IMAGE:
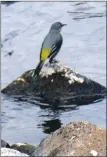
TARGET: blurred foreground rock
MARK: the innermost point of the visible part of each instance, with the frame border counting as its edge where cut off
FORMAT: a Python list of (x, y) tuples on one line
[(5, 144), (57, 84), (74, 139), (24, 148), (18, 149), (11, 152)]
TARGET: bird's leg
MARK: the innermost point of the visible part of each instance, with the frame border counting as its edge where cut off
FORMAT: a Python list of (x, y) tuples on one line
[(52, 60)]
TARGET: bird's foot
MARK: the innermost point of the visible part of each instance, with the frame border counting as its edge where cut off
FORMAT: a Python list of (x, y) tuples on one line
[(54, 61)]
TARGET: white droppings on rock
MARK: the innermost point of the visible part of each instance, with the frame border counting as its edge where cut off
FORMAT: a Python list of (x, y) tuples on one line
[(75, 77), (49, 69), (32, 74), (52, 80), (65, 70), (80, 80), (70, 81), (66, 75), (71, 75), (63, 75), (93, 153), (47, 72)]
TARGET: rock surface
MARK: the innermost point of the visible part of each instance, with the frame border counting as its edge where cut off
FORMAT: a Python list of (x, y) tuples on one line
[(74, 139), (5, 144), (21, 147), (24, 148), (57, 84), (11, 152)]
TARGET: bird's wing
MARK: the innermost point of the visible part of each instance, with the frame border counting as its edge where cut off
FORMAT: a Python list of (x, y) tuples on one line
[(46, 51), (56, 47)]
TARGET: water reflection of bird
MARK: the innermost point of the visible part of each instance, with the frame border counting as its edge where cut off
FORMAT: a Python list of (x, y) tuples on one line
[(50, 46), (52, 116), (51, 125)]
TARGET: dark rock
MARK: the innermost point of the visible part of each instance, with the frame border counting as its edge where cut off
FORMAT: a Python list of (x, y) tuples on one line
[(74, 139), (24, 148), (5, 144), (56, 85)]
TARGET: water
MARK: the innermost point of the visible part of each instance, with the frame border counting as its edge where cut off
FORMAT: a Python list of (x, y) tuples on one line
[(24, 25)]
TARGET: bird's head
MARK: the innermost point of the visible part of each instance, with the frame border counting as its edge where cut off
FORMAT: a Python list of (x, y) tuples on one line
[(57, 26)]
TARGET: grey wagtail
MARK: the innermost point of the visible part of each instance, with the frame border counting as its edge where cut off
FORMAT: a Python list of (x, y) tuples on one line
[(50, 46)]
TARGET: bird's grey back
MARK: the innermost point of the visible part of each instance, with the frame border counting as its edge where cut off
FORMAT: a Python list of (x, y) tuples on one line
[(52, 38)]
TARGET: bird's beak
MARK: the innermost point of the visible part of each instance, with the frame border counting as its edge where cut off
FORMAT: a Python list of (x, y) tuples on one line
[(64, 25)]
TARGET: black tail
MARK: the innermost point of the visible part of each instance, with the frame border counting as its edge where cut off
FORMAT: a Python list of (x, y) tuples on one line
[(38, 69)]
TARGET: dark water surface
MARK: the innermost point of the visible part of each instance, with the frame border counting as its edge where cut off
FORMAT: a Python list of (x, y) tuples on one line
[(24, 25)]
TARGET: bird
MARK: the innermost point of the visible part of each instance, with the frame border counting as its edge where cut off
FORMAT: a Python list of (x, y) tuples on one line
[(50, 46)]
